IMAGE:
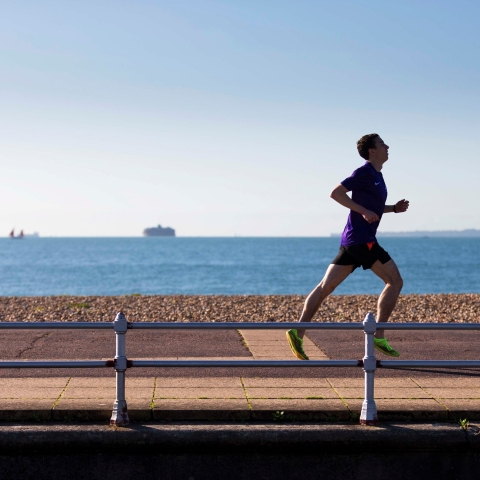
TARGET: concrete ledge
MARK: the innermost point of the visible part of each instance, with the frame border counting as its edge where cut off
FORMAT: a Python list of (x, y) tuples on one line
[(214, 410), (225, 437), (212, 451), (184, 410)]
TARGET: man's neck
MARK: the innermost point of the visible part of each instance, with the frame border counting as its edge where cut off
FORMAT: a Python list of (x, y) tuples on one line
[(376, 164)]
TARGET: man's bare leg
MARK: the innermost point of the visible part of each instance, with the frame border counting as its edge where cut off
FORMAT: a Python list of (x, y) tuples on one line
[(334, 276), (389, 273)]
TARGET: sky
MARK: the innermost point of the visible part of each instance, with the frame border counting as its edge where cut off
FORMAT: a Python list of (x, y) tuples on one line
[(223, 118)]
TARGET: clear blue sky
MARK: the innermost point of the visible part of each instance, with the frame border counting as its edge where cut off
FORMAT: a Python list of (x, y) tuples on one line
[(234, 117)]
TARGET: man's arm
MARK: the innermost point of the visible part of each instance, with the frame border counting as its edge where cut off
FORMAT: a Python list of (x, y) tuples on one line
[(339, 194), (400, 207)]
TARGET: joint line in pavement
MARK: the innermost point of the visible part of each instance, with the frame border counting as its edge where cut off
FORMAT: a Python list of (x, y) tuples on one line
[(339, 396), (152, 403), (246, 394), (428, 393), (55, 403)]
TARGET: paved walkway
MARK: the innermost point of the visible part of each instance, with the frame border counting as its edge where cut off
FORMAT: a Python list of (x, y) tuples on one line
[(238, 398), (272, 345)]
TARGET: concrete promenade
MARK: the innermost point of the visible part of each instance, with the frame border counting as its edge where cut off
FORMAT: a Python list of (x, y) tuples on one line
[(323, 399)]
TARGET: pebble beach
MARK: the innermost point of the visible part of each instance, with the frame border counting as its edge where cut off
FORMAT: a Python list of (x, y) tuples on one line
[(459, 308)]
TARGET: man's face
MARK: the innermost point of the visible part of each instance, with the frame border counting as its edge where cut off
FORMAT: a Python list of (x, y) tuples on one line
[(380, 152)]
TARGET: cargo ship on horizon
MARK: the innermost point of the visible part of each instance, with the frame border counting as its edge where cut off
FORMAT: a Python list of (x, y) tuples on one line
[(159, 232)]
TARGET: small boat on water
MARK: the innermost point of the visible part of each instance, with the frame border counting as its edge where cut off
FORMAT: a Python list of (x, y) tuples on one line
[(12, 234)]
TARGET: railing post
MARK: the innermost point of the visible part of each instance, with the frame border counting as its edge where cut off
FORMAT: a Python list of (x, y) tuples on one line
[(368, 415), (120, 413)]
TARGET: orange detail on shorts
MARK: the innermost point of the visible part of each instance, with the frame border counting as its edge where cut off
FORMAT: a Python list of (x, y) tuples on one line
[(370, 245)]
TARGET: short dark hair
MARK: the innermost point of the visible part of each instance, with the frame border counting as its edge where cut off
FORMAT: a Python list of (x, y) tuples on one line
[(365, 143)]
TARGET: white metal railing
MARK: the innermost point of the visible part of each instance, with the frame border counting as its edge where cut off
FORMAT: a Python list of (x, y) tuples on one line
[(120, 363)]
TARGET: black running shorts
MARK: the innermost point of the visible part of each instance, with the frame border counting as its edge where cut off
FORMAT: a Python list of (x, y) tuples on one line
[(361, 255)]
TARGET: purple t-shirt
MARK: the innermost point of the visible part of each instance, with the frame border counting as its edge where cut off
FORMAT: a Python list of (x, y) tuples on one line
[(368, 190)]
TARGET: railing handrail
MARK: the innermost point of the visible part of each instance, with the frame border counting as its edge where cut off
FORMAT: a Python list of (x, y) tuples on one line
[(430, 326), (245, 363), (232, 326), (56, 363), (243, 326), (303, 326), (56, 325), (428, 363)]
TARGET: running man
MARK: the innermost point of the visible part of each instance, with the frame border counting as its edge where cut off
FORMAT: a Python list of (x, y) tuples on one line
[(359, 245)]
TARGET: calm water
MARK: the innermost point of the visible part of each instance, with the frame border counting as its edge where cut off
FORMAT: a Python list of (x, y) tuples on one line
[(117, 266)]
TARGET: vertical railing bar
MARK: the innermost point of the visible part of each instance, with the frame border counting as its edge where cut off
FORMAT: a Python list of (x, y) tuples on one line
[(368, 415), (120, 412)]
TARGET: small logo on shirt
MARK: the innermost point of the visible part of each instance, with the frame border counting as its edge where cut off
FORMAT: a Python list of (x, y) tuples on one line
[(377, 183)]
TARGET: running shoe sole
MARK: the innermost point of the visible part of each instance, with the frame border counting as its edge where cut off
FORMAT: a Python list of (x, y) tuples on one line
[(394, 353)]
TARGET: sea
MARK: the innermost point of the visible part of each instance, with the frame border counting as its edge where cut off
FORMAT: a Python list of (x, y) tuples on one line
[(223, 266)]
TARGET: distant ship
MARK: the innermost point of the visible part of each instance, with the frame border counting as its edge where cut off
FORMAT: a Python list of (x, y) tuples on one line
[(12, 234), (159, 232), (23, 235)]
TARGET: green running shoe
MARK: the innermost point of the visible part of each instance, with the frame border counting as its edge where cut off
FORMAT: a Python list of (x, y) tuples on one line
[(296, 344), (382, 345)]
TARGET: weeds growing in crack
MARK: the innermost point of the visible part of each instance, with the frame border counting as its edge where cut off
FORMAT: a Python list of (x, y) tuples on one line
[(463, 424)]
